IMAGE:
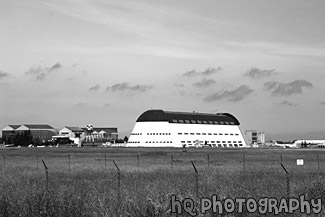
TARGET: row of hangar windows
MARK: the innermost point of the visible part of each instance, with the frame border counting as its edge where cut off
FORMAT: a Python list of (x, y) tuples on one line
[(151, 142), (213, 143), (139, 134), (159, 134), (225, 145), (203, 122), (215, 134)]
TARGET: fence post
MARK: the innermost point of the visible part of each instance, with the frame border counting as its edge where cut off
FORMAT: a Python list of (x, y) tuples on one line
[(171, 161), (105, 160), (138, 156), (118, 182), (46, 176), (288, 180), (196, 180), (244, 162), (281, 158)]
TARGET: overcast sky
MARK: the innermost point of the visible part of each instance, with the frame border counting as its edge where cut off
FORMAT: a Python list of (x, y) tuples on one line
[(105, 62)]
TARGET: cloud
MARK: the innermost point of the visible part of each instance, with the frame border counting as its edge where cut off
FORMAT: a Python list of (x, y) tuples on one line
[(287, 103), (190, 73), (258, 73), (56, 66), (286, 89), (208, 71), (127, 87), (94, 88), (40, 73), (107, 105), (204, 83), (270, 85), (4, 75), (234, 95), (81, 105), (322, 103)]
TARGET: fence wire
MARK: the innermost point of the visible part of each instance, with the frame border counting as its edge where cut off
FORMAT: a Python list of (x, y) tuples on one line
[(76, 184)]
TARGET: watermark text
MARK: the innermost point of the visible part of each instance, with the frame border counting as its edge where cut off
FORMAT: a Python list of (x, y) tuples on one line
[(239, 205)]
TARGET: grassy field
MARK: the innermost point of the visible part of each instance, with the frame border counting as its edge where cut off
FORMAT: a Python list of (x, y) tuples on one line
[(85, 181)]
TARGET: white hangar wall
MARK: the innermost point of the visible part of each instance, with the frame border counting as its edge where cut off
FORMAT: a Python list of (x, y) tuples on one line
[(162, 129)]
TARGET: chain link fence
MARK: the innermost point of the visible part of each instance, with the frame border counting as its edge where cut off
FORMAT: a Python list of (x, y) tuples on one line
[(141, 184)]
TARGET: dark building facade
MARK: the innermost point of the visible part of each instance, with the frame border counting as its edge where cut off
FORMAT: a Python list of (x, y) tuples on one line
[(8, 133)]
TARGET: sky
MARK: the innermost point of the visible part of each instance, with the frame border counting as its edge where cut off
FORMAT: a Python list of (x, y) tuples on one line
[(105, 62)]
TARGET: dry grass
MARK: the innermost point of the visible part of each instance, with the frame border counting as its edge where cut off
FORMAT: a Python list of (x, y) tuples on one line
[(91, 189)]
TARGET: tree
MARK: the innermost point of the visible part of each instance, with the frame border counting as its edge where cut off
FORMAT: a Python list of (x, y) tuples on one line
[(126, 139)]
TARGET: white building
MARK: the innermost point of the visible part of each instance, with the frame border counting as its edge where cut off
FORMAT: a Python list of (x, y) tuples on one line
[(254, 137), (101, 134), (73, 133), (158, 128)]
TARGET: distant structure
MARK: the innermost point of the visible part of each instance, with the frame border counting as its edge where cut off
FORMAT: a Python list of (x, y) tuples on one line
[(44, 134), (158, 128), (101, 134), (254, 137), (8, 133), (308, 143), (36, 132), (75, 134), (88, 136)]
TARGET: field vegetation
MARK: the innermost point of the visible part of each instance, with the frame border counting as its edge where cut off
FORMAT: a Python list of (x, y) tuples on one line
[(85, 181)]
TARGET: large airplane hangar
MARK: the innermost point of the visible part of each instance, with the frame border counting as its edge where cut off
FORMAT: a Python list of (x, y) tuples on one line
[(158, 128)]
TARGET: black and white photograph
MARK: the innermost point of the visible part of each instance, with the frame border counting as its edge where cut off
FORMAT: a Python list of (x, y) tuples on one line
[(162, 108)]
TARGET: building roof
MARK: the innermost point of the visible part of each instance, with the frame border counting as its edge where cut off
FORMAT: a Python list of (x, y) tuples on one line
[(75, 129), (108, 130), (14, 126), (10, 127), (188, 117), (38, 126)]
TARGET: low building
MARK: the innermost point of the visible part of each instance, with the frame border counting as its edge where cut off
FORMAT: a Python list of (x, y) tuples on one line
[(75, 134), (104, 134), (254, 137), (305, 143), (39, 132), (8, 133)]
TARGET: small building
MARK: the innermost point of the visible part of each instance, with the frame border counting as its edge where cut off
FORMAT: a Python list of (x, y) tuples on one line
[(101, 134), (254, 137), (73, 133), (8, 133)]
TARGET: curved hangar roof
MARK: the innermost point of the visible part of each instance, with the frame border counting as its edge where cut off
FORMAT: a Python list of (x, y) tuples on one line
[(188, 118)]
